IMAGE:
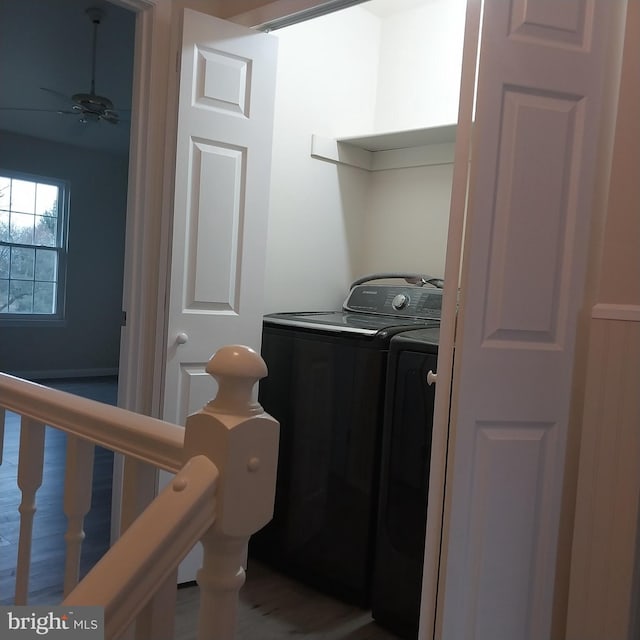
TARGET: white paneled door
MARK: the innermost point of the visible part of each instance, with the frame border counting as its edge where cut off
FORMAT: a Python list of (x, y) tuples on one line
[(535, 134), (223, 159)]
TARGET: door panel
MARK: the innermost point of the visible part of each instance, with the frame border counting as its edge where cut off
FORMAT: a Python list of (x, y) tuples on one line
[(225, 123), (223, 161), (539, 85)]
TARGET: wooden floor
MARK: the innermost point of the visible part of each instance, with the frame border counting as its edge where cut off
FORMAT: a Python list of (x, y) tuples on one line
[(271, 606), (274, 607)]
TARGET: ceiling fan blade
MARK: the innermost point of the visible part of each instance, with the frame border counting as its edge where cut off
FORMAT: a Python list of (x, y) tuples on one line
[(110, 117), (56, 93)]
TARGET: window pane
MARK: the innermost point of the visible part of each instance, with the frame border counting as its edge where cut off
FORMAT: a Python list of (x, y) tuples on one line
[(46, 231), (4, 296), (22, 263), (46, 265), (23, 196), (47, 200), (20, 296), (32, 240), (4, 226), (44, 297), (5, 254), (5, 193), (21, 228)]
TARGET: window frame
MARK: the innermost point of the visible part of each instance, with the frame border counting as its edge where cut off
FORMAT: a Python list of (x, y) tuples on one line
[(61, 248)]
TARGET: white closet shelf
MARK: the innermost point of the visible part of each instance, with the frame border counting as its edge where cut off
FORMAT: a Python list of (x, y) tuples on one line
[(394, 150), (403, 139)]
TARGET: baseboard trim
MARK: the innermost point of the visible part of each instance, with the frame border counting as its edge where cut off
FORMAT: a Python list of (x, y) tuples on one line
[(51, 374)]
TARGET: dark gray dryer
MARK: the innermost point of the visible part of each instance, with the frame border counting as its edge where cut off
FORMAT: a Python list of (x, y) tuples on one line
[(326, 386), (404, 481)]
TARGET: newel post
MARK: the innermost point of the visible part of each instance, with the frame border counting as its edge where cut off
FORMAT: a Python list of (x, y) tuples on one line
[(233, 431)]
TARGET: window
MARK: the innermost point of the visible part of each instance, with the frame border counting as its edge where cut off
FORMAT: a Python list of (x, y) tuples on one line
[(33, 217)]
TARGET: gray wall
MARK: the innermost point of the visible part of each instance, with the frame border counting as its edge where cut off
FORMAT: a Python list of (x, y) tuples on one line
[(89, 341)]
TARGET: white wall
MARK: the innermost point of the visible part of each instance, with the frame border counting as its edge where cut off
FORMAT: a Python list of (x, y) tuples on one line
[(327, 74), (332, 223), (420, 62), (407, 220)]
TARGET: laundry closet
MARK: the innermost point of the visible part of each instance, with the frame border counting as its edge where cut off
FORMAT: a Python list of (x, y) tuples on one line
[(339, 210), (366, 101)]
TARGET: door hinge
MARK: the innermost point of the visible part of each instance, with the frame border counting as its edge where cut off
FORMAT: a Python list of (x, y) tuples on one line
[(123, 320)]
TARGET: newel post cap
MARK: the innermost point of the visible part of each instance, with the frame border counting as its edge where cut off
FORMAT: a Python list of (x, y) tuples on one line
[(237, 369)]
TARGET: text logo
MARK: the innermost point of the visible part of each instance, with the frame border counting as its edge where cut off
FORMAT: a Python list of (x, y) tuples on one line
[(23, 623)]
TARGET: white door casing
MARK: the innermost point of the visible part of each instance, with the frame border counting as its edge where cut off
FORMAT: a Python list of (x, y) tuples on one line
[(223, 159), (539, 84), (142, 268), (222, 178)]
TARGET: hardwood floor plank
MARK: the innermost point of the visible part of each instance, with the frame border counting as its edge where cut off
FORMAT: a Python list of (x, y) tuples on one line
[(273, 607)]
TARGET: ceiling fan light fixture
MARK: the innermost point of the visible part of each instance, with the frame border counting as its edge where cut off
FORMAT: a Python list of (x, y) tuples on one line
[(93, 107), (92, 101)]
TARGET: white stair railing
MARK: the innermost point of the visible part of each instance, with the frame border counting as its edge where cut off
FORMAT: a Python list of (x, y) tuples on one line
[(78, 481), (125, 579), (30, 465), (225, 460)]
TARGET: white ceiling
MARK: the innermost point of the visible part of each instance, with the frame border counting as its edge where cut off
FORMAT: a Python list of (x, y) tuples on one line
[(48, 44)]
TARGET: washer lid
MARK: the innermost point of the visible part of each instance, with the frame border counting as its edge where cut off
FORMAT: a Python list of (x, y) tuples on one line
[(345, 322)]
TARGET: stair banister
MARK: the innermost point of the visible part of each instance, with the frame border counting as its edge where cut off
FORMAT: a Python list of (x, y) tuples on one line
[(233, 431), (144, 438), (231, 446), (126, 577), (30, 465)]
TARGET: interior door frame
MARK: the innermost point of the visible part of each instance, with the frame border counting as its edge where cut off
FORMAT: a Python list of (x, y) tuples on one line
[(146, 261)]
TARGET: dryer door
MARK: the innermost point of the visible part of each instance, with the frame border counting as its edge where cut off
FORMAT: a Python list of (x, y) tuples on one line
[(406, 452)]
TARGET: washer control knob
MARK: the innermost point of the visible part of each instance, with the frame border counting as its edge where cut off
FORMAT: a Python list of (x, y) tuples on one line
[(400, 301)]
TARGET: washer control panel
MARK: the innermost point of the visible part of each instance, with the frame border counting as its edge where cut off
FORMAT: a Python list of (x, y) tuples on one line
[(403, 301)]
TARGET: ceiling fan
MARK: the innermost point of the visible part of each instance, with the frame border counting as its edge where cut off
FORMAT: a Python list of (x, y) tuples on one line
[(90, 107)]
